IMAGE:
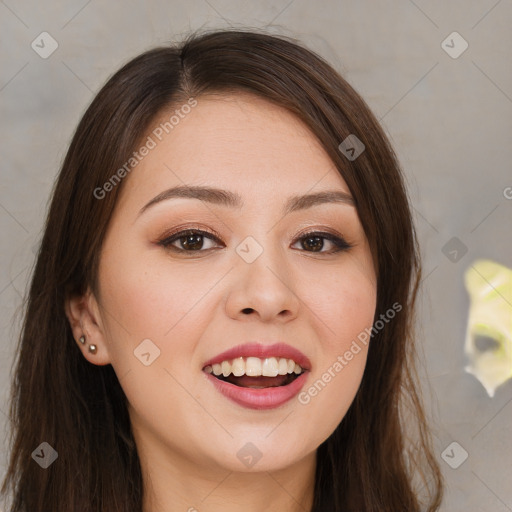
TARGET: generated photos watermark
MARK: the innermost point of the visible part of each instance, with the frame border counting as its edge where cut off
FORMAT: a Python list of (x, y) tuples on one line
[(152, 141), (343, 360)]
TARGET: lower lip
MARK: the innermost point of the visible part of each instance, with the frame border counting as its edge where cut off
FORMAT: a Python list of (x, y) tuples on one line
[(263, 398)]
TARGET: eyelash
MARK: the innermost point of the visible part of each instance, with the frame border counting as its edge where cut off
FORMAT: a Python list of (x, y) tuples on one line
[(340, 243)]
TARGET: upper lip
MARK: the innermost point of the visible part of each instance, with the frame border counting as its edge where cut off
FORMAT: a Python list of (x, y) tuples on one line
[(262, 351)]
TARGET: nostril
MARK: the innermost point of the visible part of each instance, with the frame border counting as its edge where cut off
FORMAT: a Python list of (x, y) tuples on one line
[(247, 310)]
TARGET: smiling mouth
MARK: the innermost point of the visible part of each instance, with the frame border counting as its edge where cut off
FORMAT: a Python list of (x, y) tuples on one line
[(256, 373)]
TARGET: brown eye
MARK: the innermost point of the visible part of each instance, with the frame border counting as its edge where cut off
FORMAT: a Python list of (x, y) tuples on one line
[(191, 240), (314, 242)]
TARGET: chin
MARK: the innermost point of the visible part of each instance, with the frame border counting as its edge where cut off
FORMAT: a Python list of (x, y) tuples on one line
[(261, 451)]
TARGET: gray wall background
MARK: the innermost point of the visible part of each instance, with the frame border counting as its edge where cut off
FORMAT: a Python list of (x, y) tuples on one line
[(449, 120)]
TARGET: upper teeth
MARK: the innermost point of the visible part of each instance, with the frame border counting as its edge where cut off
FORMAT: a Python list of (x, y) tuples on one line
[(255, 367)]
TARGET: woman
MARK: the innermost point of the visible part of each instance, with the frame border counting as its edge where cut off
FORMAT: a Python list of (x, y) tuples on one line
[(221, 312)]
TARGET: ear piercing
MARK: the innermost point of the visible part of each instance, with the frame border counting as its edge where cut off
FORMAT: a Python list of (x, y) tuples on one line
[(92, 348)]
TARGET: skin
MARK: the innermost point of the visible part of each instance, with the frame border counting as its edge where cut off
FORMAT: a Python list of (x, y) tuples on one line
[(191, 306)]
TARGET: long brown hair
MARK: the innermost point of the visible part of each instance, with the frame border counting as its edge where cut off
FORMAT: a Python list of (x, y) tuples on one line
[(370, 462)]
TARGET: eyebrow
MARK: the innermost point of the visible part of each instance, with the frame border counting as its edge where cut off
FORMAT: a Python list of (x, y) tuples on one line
[(232, 200)]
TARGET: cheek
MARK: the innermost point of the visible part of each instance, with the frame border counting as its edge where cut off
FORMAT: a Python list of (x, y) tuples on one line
[(148, 295), (149, 299), (344, 308), (345, 301), (329, 395)]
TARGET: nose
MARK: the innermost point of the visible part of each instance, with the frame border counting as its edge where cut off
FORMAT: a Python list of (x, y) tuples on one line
[(264, 288)]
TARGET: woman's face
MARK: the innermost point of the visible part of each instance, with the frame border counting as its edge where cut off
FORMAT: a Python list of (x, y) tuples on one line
[(168, 312)]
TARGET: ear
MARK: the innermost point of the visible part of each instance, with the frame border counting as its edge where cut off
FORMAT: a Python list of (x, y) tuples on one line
[(84, 316)]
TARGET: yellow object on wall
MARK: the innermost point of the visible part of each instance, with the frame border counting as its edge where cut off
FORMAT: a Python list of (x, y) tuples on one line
[(489, 330)]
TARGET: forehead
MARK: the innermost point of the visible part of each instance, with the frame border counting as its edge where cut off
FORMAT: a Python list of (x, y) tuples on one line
[(236, 141)]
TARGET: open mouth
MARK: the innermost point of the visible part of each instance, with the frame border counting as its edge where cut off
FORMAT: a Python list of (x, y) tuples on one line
[(258, 382), (256, 373)]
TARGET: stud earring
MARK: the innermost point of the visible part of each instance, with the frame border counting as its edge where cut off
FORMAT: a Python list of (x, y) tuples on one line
[(92, 348)]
